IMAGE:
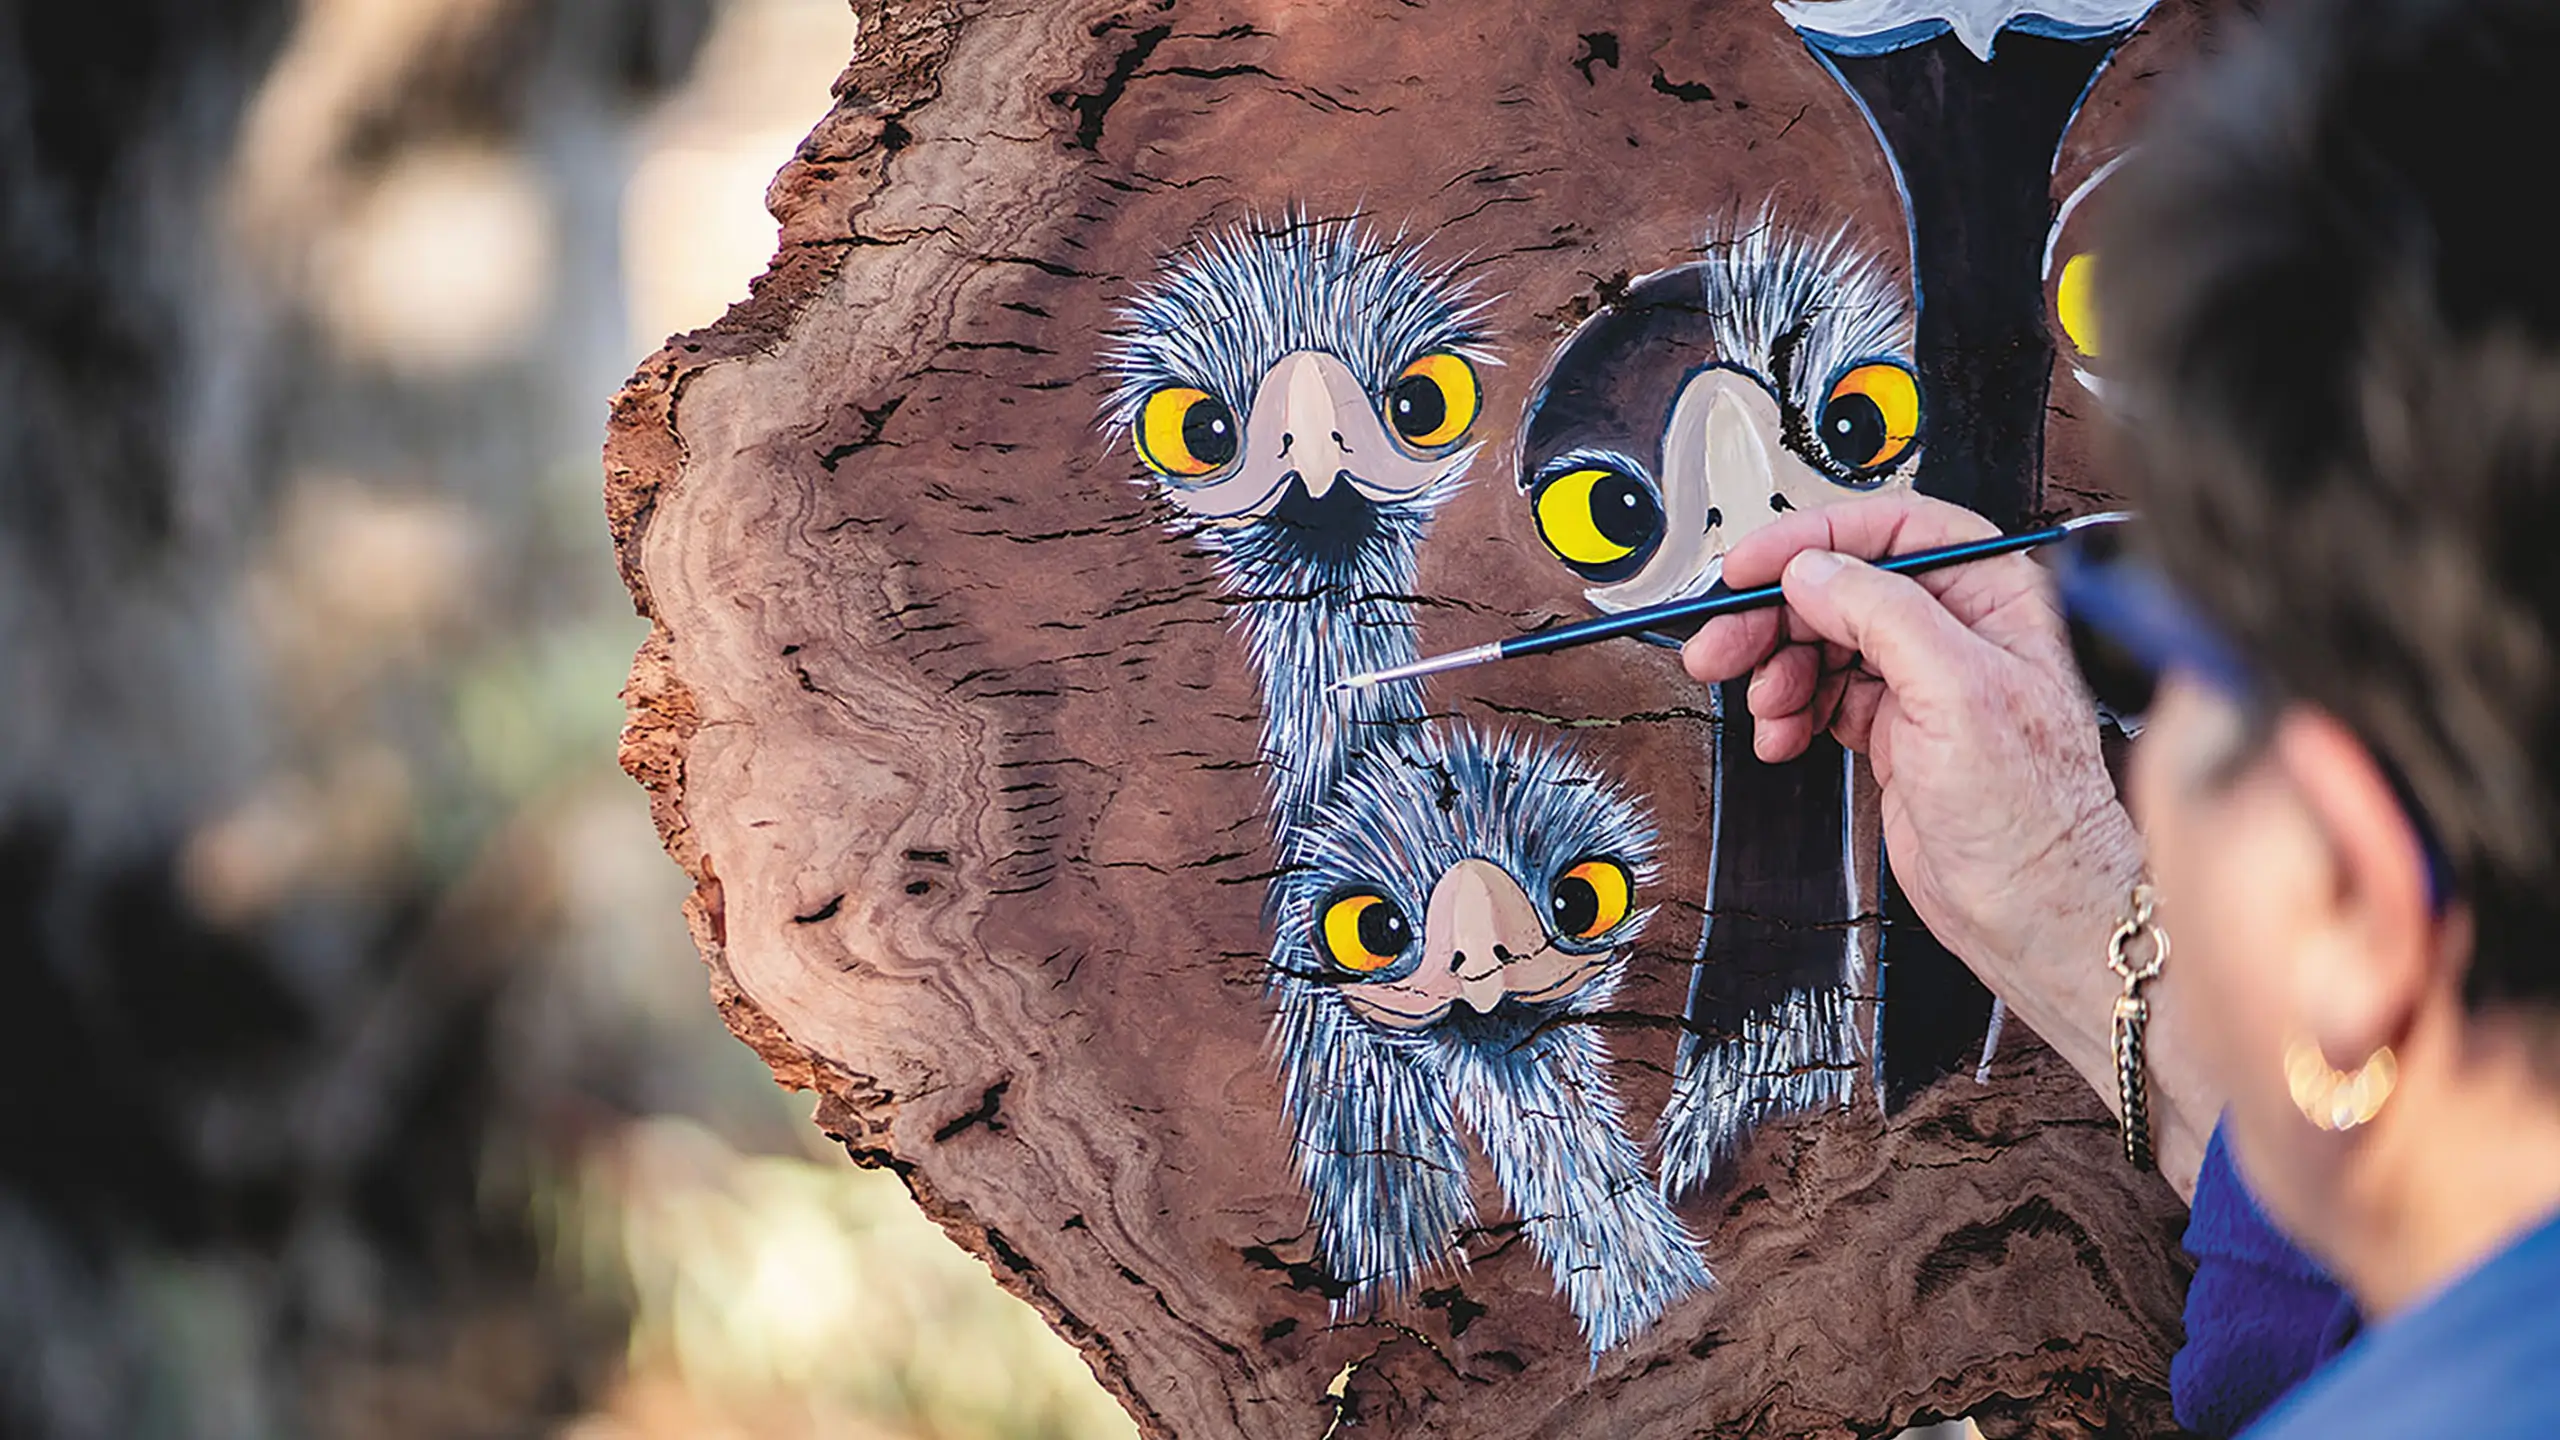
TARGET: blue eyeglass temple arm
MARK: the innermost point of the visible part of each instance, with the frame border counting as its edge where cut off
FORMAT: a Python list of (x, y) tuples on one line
[(2135, 607)]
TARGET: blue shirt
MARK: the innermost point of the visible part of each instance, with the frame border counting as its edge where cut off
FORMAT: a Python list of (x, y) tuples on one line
[(2261, 1315), (2480, 1360)]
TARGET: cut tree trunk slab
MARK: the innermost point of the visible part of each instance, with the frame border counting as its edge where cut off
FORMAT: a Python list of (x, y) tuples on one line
[(959, 741)]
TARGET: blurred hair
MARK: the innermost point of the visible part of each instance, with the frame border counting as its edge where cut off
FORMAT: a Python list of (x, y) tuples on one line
[(2340, 322)]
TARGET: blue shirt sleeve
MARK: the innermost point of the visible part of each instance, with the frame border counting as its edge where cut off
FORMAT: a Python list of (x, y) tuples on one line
[(2474, 1359), (2261, 1315)]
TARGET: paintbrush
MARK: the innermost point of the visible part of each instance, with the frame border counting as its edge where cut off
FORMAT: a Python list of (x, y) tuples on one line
[(1699, 609)]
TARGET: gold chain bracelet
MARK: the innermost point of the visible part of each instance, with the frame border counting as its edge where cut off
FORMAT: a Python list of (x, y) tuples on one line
[(2133, 1012)]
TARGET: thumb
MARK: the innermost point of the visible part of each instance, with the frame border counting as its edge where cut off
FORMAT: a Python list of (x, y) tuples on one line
[(1907, 637)]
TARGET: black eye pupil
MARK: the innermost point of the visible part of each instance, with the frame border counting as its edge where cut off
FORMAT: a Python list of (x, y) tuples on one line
[(1625, 512), (1209, 432), (1853, 430), (1576, 904), (1383, 930), (1417, 407)]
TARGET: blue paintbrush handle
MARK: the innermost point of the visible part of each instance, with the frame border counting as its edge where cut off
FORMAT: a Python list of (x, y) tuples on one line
[(1699, 609)]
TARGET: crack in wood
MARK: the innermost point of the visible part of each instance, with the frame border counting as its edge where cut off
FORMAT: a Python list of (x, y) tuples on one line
[(1687, 93), (1091, 109), (984, 1113)]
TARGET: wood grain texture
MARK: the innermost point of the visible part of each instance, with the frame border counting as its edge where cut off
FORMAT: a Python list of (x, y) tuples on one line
[(959, 746)]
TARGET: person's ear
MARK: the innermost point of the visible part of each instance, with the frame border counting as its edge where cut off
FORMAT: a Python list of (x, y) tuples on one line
[(2372, 955)]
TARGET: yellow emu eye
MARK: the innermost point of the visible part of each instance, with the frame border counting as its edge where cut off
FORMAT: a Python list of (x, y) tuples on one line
[(1597, 519), (1364, 932), (1591, 898), (2075, 303), (1434, 401), (1871, 415), (1182, 431)]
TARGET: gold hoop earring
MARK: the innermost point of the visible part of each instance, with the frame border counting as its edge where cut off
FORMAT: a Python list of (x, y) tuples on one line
[(2334, 1099)]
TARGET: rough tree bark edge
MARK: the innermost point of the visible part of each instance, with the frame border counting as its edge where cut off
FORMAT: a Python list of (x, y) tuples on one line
[(893, 71)]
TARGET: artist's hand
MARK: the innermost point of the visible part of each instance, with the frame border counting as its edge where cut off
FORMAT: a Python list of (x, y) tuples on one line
[(1999, 817)]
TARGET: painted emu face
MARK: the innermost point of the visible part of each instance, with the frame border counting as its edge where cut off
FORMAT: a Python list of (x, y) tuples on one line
[(2071, 277), (1301, 376), (1773, 375), (1301, 396), (1460, 895), (1465, 881)]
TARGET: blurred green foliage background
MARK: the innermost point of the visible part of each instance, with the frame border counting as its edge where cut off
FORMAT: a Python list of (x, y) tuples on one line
[(357, 1076)]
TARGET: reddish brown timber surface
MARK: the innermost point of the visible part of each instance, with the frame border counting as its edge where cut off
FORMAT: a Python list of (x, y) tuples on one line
[(959, 746)]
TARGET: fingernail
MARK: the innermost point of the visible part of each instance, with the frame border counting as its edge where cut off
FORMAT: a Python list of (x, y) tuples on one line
[(1813, 566)]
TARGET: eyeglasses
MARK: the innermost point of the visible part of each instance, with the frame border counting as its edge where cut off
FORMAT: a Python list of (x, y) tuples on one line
[(2129, 627)]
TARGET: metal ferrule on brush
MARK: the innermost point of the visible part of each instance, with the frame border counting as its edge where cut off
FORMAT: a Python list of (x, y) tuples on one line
[(1454, 660)]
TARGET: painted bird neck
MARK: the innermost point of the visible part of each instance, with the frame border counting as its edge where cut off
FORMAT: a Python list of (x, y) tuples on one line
[(1324, 591)]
